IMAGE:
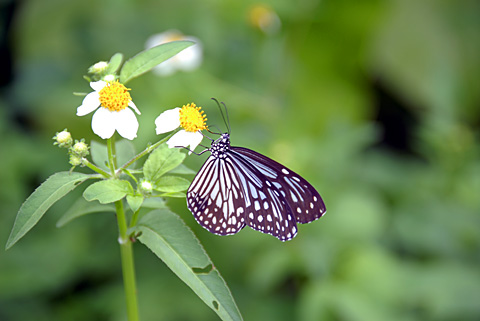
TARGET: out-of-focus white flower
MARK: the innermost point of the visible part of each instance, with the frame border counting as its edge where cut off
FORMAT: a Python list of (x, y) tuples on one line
[(265, 18), (187, 60), (113, 115), (190, 118)]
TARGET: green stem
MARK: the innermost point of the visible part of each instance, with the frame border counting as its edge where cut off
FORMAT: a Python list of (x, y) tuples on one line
[(147, 150), (95, 168), (126, 250), (134, 220), (111, 155), (128, 267)]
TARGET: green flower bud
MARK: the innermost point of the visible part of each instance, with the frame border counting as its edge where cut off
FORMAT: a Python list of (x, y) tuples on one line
[(75, 160), (63, 139), (80, 149), (98, 68), (145, 187)]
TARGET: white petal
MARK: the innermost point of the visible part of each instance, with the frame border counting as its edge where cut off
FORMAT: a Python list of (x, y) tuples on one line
[(132, 104), (98, 85), (168, 121), (196, 139), (191, 57), (126, 123), (157, 39), (103, 123), (166, 68), (185, 139), (180, 139), (89, 104)]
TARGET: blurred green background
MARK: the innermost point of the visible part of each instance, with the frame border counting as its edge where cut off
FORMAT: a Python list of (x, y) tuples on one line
[(375, 102)]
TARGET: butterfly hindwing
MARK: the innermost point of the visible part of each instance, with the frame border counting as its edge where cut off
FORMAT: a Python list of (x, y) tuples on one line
[(266, 210), (301, 196)]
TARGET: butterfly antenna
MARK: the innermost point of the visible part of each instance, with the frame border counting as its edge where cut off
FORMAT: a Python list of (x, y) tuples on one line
[(212, 132), (228, 119), (225, 120)]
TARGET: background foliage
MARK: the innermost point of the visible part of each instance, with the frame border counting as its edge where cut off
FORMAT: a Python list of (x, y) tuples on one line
[(375, 102)]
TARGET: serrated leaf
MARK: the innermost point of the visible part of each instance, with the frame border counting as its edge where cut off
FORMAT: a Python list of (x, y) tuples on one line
[(54, 188), (124, 152), (135, 201), (170, 184), (82, 207), (182, 169), (147, 59), (114, 64), (162, 160), (173, 242), (108, 191)]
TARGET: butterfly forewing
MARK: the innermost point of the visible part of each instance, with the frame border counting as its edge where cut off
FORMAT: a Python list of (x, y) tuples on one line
[(215, 198), (303, 199)]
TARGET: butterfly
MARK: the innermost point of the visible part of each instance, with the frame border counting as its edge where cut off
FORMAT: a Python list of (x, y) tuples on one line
[(237, 186)]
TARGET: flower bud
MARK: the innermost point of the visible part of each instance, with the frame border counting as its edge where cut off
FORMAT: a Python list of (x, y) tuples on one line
[(75, 160), (145, 187), (109, 78), (80, 149), (63, 139), (98, 68)]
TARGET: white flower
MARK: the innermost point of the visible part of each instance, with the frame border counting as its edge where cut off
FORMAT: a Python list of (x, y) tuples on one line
[(190, 118), (187, 60), (113, 115), (265, 18)]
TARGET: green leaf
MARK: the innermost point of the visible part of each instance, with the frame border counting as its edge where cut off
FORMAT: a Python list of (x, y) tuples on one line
[(108, 191), (171, 184), (114, 64), (124, 152), (135, 201), (54, 188), (147, 59), (182, 169), (173, 242), (82, 207), (154, 202), (162, 160)]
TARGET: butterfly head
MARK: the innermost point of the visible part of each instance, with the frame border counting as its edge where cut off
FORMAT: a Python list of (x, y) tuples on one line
[(221, 146)]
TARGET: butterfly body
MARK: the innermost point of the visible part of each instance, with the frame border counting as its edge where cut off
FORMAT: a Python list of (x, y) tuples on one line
[(237, 186)]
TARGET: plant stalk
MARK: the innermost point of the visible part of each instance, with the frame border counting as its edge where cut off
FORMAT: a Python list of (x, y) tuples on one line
[(128, 267), (126, 249), (147, 150)]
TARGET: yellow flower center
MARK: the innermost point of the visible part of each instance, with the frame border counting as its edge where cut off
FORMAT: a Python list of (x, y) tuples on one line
[(192, 118), (115, 96)]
